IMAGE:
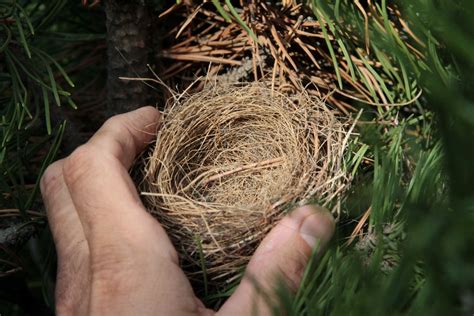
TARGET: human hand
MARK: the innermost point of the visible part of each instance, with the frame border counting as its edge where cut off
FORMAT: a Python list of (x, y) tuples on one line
[(115, 258)]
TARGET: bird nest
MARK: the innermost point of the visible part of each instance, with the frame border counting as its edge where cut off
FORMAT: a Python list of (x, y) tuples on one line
[(229, 161)]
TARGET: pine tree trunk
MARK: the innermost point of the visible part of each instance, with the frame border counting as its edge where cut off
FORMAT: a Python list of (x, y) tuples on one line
[(128, 51)]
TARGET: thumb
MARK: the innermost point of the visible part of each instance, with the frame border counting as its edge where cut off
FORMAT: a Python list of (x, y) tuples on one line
[(282, 255)]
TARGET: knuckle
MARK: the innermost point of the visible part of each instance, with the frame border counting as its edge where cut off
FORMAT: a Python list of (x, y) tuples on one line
[(114, 123), (51, 180), (119, 132), (77, 165)]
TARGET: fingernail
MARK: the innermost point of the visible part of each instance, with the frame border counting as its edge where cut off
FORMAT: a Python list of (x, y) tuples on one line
[(317, 226), (307, 232)]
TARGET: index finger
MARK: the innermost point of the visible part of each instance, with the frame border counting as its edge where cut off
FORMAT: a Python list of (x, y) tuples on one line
[(102, 191), (126, 135)]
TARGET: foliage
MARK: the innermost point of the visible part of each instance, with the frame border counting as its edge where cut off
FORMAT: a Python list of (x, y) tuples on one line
[(415, 254), (405, 246), (27, 85), (37, 49)]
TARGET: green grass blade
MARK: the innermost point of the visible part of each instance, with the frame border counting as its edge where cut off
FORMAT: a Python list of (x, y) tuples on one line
[(71, 103), (46, 162), (348, 59), (47, 115), (318, 14), (57, 65), (221, 11), (202, 262), (27, 19), (54, 86), (23, 40), (240, 21)]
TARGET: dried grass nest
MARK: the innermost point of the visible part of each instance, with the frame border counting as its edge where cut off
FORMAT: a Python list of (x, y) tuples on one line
[(229, 161)]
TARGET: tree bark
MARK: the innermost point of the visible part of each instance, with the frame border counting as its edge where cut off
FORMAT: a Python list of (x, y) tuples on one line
[(128, 52)]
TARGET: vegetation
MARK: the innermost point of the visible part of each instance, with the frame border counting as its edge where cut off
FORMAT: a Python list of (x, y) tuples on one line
[(404, 242), (48, 57), (414, 255)]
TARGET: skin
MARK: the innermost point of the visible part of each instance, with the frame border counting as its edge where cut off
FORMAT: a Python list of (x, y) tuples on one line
[(114, 258)]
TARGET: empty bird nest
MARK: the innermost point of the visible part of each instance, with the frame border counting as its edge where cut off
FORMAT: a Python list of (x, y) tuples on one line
[(230, 161)]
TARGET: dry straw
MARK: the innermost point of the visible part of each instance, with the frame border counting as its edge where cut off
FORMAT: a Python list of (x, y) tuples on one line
[(229, 161)]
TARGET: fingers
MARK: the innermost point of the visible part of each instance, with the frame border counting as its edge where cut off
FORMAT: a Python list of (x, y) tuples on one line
[(63, 219), (103, 193), (94, 209), (72, 281), (282, 255), (121, 138), (126, 135), (133, 265)]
